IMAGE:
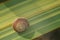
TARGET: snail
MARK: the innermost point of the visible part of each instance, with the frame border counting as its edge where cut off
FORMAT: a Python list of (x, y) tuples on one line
[(20, 25)]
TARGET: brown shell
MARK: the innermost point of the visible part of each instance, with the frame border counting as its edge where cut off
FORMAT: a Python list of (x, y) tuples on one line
[(20, 25)]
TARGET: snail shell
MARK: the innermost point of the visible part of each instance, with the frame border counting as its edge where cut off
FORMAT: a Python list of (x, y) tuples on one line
[(20, 25)]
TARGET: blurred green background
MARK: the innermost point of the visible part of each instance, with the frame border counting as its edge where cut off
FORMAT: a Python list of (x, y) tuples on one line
[(43, 17)]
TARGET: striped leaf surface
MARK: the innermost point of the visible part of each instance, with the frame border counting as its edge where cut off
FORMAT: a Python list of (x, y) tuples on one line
[(43, 17)]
